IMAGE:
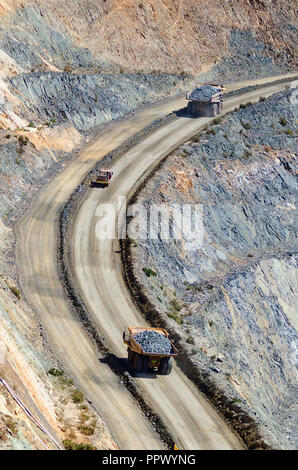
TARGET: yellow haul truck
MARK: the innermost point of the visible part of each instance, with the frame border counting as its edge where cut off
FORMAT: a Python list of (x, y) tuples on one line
[(153, 355)]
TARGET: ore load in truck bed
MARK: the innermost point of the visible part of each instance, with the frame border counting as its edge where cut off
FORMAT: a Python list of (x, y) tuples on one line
[(203, 93), (153, 342)]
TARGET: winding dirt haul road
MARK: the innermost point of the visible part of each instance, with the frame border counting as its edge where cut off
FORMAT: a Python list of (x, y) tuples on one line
[(97, 268)]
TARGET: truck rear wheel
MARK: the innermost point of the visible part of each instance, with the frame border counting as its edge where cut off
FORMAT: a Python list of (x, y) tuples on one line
[(165, 367), (138, 362)]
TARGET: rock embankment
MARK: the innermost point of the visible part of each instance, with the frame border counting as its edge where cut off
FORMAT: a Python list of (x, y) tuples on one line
[(89, 100)]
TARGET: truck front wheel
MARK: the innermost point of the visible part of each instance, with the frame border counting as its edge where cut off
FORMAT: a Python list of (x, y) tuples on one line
[(166, 365)]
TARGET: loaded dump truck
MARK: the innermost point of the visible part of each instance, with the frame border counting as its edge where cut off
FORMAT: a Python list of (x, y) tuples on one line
[(103, 178), (205, 100), (149, 349)]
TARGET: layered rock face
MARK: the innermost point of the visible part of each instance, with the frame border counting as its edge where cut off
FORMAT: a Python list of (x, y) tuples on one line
[(231, 298), (172, 36)]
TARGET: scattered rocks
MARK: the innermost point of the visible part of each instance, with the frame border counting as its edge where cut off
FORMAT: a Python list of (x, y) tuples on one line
[(89, 100)]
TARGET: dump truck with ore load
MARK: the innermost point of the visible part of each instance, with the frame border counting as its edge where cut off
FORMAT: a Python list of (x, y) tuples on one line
[(205, 100), (149, 349), (103, 178)]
